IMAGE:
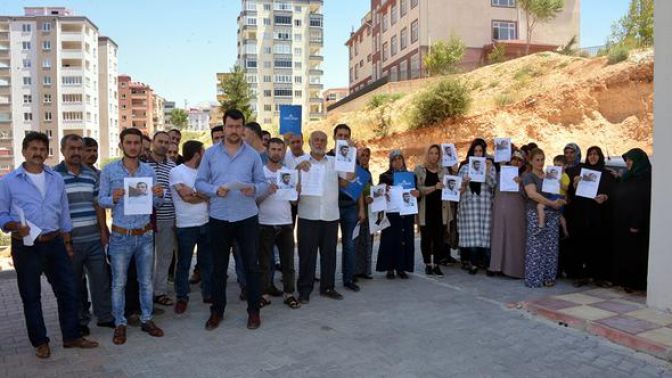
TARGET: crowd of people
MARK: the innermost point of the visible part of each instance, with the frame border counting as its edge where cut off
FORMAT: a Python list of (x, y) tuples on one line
[(225, 200)]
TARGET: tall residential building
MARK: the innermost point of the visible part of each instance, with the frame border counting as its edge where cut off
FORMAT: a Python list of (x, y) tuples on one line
[(168, 107), (199, 118), (108, 143), (280, 48), (136, 105), (49, 67), (158, 116), (395, 35)]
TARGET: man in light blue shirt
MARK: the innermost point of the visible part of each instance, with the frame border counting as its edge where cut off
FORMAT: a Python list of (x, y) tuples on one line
[(132, 235), (231, 175), (33, 201)]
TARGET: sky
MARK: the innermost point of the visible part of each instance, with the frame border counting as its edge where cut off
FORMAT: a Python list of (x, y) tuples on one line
[(177, 46)]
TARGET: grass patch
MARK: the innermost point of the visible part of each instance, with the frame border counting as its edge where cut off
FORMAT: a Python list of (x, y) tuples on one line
[(383, 99), (617, 54), (503, 100), (493, 84)]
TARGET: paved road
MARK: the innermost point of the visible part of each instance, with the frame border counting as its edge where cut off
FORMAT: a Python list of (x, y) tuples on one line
[(457, 326)]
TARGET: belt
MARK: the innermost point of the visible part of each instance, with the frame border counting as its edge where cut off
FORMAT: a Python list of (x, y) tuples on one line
[(46, 237), (132, 231)]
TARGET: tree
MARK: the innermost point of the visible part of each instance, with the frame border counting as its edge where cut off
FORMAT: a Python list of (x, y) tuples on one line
[(443, 57), (179, 118), (236, 92), (635, 29), (538, 12)]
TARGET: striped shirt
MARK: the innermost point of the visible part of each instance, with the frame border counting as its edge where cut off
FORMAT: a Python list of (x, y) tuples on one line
[(82, 193), (165, 212)]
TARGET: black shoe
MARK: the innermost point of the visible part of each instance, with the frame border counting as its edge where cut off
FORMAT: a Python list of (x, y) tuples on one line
[(304, 299), (355, 279), (352, 286), (402, 275), (84, 330), (438, 271), (333, 294), (490, 273), (473, 270), (390, 275), (109, 324), (428, 270)]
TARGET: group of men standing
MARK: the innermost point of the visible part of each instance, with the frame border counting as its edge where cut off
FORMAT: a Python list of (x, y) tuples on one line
[(221, 200)]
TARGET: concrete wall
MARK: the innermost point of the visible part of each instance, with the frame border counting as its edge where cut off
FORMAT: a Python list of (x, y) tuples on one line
[(660, 254)]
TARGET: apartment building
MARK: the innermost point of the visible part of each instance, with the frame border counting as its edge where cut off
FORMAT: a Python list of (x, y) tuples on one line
[(199, 118), (168, 107), (136, 105), (108, 143), (333, 95), (395, 35), (280, 46), (49, 79), (158, 116)]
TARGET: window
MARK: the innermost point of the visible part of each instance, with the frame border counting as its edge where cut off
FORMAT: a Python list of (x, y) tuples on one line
[(393, 45), (298, 94), (298, 51), (46, 27), (46, 45), (27, 117), (503, 30), (71, 80), (47, 116), (403, 70), (504, 3), (251, 21), (297, 23), (27, 80), (250, 48), (298, 9), (283, 63), (283, 79), (26, 63), (50, 134), (414, 31), (297, 65), (282, 36), (51, 151), (47, 99), (267, 7), (298, 37), (385, 51), (46, 63), (268, 108), (283, 6), (403, 38), (414, 3), (384, 22), (394, 74), (403, 8), (46, 80), (393, 15), (282, 49), (298, 79), (251, 63), (251, 5), (267, 78), (268, 50), (267, 93), (282, 92), (73, 116), (415, 66), (282, 20), (27, 99), (267, 21), (26, 28), (25, 45)]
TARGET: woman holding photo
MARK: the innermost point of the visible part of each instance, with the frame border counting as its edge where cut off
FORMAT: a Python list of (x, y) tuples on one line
[(397, 246), (474, 212)]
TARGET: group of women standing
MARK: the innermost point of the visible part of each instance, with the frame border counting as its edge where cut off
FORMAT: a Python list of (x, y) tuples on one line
[(500, 232)]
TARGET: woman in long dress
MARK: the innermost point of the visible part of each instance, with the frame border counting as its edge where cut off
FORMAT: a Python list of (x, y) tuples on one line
[(508, 227)]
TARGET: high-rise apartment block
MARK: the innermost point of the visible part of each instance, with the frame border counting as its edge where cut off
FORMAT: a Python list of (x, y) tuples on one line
[(395, 35), (280, 49), (108, 143), (49, 80)]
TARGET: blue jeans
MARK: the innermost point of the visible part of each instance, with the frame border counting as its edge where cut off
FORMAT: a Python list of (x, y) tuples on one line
[(91, 256), (187, 238), (52, 259), (121, 249), (349, 218)]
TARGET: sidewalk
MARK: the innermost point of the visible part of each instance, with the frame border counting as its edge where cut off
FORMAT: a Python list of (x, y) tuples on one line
[(622, 318)]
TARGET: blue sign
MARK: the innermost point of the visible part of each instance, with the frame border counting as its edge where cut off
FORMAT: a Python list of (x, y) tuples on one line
[(404, 179), (290, 119), (356, 186)]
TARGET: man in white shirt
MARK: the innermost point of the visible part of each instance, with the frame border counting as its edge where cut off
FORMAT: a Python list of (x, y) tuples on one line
[(191, 210), (318, 223), (295, 154), (275, 228)]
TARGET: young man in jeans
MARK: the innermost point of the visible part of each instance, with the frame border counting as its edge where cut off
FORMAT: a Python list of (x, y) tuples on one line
[(132, 235), (191, 210)]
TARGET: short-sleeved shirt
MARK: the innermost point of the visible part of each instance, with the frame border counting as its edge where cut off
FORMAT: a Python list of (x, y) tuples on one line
[(165, 212), (274, 211), (531, 178), (187, 214), (82, 192)]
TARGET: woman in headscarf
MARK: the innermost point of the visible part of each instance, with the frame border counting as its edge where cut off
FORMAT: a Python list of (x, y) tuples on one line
[(434, 214), (364, 244), (572, 153), (631, 204), (590, 256), (397, 245), (508, 227), (541, 246), (474, 212)]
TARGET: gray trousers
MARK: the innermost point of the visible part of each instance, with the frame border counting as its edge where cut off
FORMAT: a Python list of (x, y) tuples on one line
[(313, 236), (90, 258), (165, 244)]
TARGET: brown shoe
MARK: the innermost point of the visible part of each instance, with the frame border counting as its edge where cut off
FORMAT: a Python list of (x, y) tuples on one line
[(253, 321), (119, 335), (180, 306), (151, 328), (213, 321), (43, 351), (81, 343)]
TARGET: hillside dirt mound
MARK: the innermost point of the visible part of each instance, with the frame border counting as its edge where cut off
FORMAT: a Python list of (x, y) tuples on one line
[(547, 98)]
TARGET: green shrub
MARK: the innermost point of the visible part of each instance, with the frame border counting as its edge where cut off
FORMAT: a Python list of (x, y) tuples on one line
[(497, 55), (494, 84), (449, 98), (617, 54), (504, 99), (382, 99)]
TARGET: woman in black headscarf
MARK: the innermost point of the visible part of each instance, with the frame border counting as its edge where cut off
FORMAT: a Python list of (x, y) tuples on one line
[(590, 256), (631, 203)]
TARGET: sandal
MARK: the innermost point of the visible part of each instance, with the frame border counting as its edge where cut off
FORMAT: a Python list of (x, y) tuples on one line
[(263, 302), (163, 300), (292, 302)]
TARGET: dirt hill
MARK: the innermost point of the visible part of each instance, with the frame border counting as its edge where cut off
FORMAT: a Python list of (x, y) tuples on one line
[(547, 98)]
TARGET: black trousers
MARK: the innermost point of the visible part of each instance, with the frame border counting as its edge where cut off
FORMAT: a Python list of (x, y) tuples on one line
[(283, 237), (431, 241), (314, 236)]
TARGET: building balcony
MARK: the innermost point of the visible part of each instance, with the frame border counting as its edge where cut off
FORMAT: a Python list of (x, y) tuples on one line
[(316, 115), (4, 36), (70, 36), (316, 100), (72, 54), (6, 153), (316, 72), (316, 86), (317, 58)]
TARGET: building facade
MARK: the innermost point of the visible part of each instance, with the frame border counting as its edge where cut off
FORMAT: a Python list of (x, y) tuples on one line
[(158, 115), (333, 95), (168, 107), (395, 35), (49, 80), (108, 146), (280, 46), (199, 118), (136, 105)]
